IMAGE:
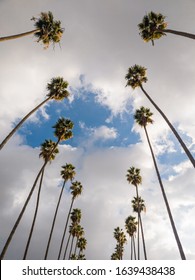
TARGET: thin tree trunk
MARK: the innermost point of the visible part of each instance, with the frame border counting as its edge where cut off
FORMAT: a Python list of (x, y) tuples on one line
[(166, 201), (71, 247), (134, 249), (75, 249), (35, 216), (143, 239), (180, 33), (25, 205), (64, 257), (62, 241), (54, 220), (131, 248), (11, 37), (171, 127), (21, 122), (138, 225)]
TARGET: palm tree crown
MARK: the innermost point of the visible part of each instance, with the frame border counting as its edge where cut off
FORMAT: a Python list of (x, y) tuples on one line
[(143, 116), (63, 129), (49, 31), (58, 89), (48, 150), (136, 76), (68, 172), (76, 189), (133, 176), (131, 225), (152, 26)]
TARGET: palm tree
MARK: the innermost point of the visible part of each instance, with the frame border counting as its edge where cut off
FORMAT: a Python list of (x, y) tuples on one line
[(135, 77), (62, 131), (76, 190), (76, 233), (131, 228), (67, 173), (153, 26), (82, 243), (46, 30), (48, 153), (120, 237), (143, 117), (134, 178), (57, 91), (142, 207), (75, 218)]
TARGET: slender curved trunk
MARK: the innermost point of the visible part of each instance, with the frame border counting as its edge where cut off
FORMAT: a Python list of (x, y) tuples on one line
[(166, 201), (25, 205), (171, 127), (138, 225), (35, 216), (11, 37), (54, 220), (143, 239), (64, 257), (180, 33), (7, 138), (62, 241)]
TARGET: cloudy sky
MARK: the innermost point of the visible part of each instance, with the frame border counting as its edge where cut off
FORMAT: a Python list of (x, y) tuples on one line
[(100, 43)]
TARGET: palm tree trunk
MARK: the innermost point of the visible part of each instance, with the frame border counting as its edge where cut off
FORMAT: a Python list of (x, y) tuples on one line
[(180, 33), (20, 123), (138, 225), (131, 248), (71, 247), (171, 127), (143, 239), (75, 248), (64, 257), (35, 215), (134, 249), (11, 37), (25, 205), (166, 201), (62, 241), (54, 220)]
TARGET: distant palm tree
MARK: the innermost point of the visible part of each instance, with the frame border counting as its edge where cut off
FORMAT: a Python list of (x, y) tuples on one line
[(67, 173), (57, 91), (135, 77), (134, 178), (82, 243), (143, 117), (63, 131), (78, 232), (131, 228), (153, 26), (142, 207), (48, 153), (120, 237), (76, 190), (46, 30)]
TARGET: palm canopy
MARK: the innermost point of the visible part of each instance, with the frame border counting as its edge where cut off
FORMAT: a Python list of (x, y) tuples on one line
[(58, 89), (138, 202), (152, 26), (75, 216), (63, 129), (76, 189), (68, 172), (131, 225), (143, 116), (48, 29), (48, 150), (133, 176), (136, 76)]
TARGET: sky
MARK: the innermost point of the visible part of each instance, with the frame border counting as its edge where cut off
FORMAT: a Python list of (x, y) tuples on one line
[(100, 42)]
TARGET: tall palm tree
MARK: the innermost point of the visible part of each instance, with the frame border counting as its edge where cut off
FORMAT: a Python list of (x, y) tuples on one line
[(48, 153), (134, 178), (75, 218), (82, 243), (76, 233), (135, 77), (67, 173), (120, 237), (143, 117), (76, 190), (47, 30), (142, 207), (57, 91), (153, 26), (131, 228), (63, 132)]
